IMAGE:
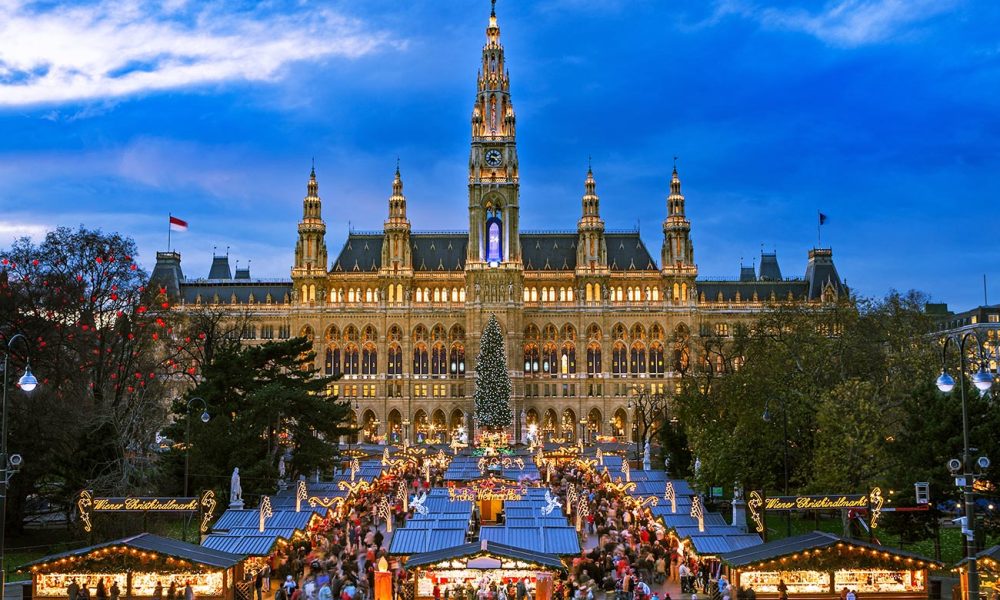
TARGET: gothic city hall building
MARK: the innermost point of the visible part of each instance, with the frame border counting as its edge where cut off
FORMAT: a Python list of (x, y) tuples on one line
[(590, 316)]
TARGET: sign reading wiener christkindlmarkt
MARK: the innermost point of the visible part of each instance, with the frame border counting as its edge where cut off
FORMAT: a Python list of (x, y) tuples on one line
[(758, 504), (87, 504)]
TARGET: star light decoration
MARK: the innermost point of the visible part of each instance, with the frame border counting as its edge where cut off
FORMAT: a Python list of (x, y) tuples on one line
[(207, 504), (401, 495), (265, 512), (671, 495), (698, 512), (354, 488), (384, 512), (301, 494), (582, 510)]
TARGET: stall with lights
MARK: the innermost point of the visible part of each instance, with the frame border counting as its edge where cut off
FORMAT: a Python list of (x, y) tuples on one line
[(474, 562), (988, 566), (823, 564), (137, 564)]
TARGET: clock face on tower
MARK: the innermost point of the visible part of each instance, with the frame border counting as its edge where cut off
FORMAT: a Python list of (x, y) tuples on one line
[(494, 158)]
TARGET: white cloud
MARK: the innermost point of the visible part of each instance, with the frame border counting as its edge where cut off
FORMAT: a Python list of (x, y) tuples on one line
[(845, 23), (111, 48), (12, 230)]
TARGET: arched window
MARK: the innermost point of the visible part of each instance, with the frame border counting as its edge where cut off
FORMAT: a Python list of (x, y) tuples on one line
[(684, 291), (351, 360), (677, 292), (420, 366), (437, 294), (567, 360), (532, 360), (369, 360), (628, 294), (562, 294), (638, 362), (456, 365), (597, 292), (527, 294), (590, 293), (439, 360), (395, 366), (331, 364), (656, 293), (569, 294), (656, 366), (494, 238), (534, 294), (619, 359), (399, 292), (593, 360), (545, 295), (550, 364), (392, 294), (369, 295), (350, 295), (461, 294)]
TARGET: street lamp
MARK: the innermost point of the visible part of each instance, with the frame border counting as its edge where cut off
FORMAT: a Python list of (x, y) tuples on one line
[(767, 417), (187, 439), (983, 381), (27, 383)]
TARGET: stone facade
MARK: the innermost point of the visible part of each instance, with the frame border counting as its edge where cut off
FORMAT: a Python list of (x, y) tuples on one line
[(589, 316)]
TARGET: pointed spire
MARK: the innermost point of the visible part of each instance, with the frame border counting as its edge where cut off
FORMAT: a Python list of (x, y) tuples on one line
[(591, 201), (312, 188), (675, 201), (397, 201)]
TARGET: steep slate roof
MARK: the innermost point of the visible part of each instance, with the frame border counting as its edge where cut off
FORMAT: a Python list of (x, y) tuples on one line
[(149, 542), (485, 547), (242, 288), (763, 289), (807, 541), (556, 251)]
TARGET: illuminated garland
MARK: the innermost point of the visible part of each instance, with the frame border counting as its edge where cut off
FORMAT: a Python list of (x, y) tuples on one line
[(842, 556), (116, 559), (301, 493)]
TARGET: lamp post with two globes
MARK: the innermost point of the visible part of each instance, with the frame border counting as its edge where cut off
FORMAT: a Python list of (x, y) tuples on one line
[(9, 464), (983, 380)]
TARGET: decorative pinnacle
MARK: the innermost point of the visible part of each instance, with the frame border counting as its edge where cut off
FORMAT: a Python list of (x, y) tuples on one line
[(493, 8), (397, 166), (675, 164), (312, 173)]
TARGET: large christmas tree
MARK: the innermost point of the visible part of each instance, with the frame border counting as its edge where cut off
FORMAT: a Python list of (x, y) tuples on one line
[(492, 394)]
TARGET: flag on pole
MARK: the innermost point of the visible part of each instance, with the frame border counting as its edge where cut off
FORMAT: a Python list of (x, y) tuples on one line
[(822, 219), (177, 224)]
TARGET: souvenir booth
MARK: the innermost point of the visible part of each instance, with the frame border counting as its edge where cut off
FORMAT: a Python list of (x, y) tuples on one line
[(483, 561), (487, 494), (137, 564), (821, 565)]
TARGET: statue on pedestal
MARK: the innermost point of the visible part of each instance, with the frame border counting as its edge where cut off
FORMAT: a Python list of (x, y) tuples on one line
[(235, 490)]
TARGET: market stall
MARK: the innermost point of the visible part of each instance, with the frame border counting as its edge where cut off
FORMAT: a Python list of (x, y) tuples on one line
[(988, 566), (478, 562), (821, 564), (137, 564)]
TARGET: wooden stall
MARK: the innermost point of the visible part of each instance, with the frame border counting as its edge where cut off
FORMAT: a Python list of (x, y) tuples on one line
[(137, 564), (475, 562), (988, 566), (822, 565)]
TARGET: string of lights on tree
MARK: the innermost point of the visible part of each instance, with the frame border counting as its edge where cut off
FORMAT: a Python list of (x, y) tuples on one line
[(492, 393)]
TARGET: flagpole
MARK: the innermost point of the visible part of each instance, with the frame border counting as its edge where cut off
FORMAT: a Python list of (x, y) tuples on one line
[(819, 229), (168, 231)]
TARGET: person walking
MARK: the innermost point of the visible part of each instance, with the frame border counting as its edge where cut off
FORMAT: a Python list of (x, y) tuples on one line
[(188, 591), (73, 589)]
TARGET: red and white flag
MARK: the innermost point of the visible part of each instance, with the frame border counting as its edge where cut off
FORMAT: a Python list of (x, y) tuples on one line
[(177, 224)]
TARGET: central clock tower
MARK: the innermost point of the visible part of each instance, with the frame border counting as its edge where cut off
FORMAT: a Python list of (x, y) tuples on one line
[(493, 171)]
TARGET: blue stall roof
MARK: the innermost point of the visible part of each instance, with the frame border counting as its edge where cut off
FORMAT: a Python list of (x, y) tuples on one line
[(249, 519), (545, 540), (408, 541), (148, 542), (250, 545), (436, 523)]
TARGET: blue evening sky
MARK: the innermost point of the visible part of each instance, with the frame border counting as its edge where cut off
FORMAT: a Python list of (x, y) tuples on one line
[(883, 114)]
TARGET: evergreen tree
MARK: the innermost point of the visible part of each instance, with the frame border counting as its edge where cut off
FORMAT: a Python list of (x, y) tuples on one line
[(492, 394)]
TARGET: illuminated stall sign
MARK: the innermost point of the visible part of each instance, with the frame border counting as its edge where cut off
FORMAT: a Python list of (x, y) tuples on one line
[(487, 489), (87, 504), (758, 504)]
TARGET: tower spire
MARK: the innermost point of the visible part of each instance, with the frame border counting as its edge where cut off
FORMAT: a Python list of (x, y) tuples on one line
[(310, 250)]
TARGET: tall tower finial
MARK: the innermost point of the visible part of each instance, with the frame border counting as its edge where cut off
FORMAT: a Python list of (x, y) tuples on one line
[(397, 165), (493, 8), (313, 172), (675, 164)]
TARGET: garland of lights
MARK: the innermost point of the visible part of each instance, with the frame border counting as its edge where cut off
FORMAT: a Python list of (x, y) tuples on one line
[(842, 556), (118, 559), (492, 393)]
